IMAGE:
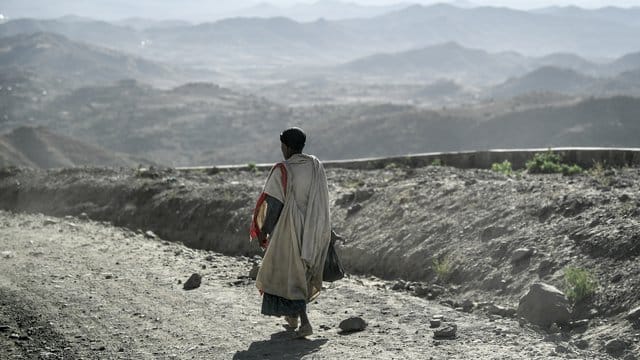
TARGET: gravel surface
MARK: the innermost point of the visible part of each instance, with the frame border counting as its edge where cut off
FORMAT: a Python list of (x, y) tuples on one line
[(72, 288)]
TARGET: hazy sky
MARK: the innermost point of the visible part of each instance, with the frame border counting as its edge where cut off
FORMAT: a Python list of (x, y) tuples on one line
[(521, 4), (204, 10)]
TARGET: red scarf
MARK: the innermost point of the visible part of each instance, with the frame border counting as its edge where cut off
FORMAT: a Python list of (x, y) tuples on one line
[(254, 231)]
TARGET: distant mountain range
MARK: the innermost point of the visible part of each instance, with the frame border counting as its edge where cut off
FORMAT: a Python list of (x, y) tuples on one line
[(560, 72), (256, 43), (55, 56), (38, 147), (200, 124)]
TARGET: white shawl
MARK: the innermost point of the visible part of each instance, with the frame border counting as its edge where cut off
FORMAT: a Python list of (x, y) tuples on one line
[(293, 263)]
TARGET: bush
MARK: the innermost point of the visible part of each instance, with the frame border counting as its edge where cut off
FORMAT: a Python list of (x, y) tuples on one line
[(550, 163), (437, 162), (443, 268), (579, 283), (503, 167), (252, 166)]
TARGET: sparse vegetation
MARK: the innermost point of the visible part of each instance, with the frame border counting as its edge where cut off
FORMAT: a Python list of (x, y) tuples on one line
[(551, 163), (437, 162), (503, 167), (443, 267), (252, 166), (598, 172), (580, 284)]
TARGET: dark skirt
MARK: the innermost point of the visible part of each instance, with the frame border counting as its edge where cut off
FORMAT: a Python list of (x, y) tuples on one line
[(279, 306)]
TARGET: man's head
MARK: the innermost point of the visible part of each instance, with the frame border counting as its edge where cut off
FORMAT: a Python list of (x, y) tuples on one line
[(293, 140)]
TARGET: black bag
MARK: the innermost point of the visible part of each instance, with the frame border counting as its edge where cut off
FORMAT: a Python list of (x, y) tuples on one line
[(332, 266)]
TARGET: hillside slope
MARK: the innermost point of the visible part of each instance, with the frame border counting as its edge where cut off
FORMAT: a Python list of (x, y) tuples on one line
[(41, 148)]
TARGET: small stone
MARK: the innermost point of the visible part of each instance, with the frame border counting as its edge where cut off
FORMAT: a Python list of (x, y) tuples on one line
[(48, 222), (209, 258), (83, 216), (108, 276), (193, 282), (447, 332), (581, 344), (545, 267), (150, 235), (561, 349), (616, 278), (400, 285), (5, 328), (520, 255), (434, 323), (204, 267), (354, 209), (468, 305), (616, 347), (7, 254), (353, 324)]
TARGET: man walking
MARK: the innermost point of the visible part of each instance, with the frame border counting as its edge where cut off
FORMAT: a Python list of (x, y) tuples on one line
[(292, 222)]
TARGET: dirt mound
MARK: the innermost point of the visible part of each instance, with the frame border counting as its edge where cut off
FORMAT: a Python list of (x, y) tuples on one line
[(469, 235)]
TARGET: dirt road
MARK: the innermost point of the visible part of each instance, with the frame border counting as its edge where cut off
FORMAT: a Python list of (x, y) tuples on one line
[(72, 288)]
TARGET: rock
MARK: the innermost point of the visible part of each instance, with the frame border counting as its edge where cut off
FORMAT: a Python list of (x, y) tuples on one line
[(581, 344), (150, 235), (48, 222), (434, 323), (447, 332), (353, 324), (545, 267), (616, 347), (579, 324), (616, 278), (363, 194), (354, 209), (544, 305), (193, 282), (7, 254), (561, 349), (521, 254), (253, 273), (495, 282), (634, 314), (83, 216), (399, 285), (5, 328), (468, 305)]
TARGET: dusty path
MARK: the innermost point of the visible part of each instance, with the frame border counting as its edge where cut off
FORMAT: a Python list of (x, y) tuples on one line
[(72, 288)]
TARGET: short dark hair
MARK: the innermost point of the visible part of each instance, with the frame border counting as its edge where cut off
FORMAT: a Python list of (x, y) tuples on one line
[(294, 138)]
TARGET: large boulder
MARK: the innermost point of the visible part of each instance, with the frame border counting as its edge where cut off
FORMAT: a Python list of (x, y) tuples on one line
[(544, 305)]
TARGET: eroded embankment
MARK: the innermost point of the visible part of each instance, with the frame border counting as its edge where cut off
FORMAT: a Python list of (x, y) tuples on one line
[(495, 233), (199, 210)]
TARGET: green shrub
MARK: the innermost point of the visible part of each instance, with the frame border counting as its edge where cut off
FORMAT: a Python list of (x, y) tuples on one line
[(252, 166), (580, 284), (437, 162), (503, 167), (550, 163), (443, 267)]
